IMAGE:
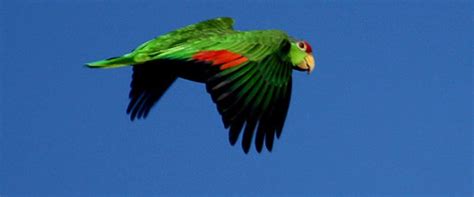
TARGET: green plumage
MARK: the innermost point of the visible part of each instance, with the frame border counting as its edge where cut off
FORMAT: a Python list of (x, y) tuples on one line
[(252, 94), (216, 34)]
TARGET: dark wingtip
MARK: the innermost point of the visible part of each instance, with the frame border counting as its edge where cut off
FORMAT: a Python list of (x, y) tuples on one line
[(269, 141), (269, 147), (232, 141), (259, 141), (246, 146), (278, 133), (132, 118), (246, 149), (259, 149)]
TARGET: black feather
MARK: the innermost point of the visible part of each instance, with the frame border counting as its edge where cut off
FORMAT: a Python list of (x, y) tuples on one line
[(151, 80)]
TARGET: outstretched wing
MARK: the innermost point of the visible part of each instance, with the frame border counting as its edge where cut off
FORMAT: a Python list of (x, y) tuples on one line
[(251, 94), (250, 83)]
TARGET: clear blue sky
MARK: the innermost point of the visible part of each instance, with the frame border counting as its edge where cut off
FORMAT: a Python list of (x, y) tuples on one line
[(388, 109)]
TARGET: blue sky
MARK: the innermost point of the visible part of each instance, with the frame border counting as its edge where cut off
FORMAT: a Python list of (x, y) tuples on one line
[(388, 110)]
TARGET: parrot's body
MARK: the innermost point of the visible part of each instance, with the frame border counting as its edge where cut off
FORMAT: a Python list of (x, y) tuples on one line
[(248, 74)]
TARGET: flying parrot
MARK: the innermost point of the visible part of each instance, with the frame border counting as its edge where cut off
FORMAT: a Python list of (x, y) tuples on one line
[(247, 74)]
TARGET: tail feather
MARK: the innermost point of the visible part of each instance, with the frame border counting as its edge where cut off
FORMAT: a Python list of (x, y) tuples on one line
[(113, 62)]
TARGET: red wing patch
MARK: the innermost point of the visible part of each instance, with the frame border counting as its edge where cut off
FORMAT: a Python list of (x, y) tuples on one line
[(224, 58)]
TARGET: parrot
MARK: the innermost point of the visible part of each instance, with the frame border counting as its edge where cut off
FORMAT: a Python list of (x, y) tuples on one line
[(248, 74)]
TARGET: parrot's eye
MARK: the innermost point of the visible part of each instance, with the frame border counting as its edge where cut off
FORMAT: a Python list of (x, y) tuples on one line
[(301, 46)]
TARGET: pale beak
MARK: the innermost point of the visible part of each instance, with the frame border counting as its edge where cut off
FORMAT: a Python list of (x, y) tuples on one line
[(308, 64)]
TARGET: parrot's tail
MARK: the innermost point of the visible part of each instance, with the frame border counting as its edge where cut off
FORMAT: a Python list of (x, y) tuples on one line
[(113, 62)]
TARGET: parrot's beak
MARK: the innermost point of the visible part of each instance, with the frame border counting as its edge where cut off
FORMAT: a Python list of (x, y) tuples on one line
[(308, 64)]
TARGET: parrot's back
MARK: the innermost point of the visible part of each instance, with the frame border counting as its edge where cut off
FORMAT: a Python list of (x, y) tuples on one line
[(162, 44)]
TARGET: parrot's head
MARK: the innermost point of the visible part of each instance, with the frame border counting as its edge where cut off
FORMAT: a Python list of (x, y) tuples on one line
[(301, 56)]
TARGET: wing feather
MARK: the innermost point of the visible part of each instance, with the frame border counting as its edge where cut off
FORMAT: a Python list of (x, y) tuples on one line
[(250, 96)]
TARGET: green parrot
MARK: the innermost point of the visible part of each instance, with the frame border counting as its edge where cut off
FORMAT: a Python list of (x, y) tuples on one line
[(247, 74)]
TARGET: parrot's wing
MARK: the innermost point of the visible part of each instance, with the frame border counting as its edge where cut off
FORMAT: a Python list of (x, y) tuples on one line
[(253, 93), (149, 83), (148, 50), (251, 85)]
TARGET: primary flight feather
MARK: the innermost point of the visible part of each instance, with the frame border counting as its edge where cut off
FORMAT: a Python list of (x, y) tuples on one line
[(247, 74)]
